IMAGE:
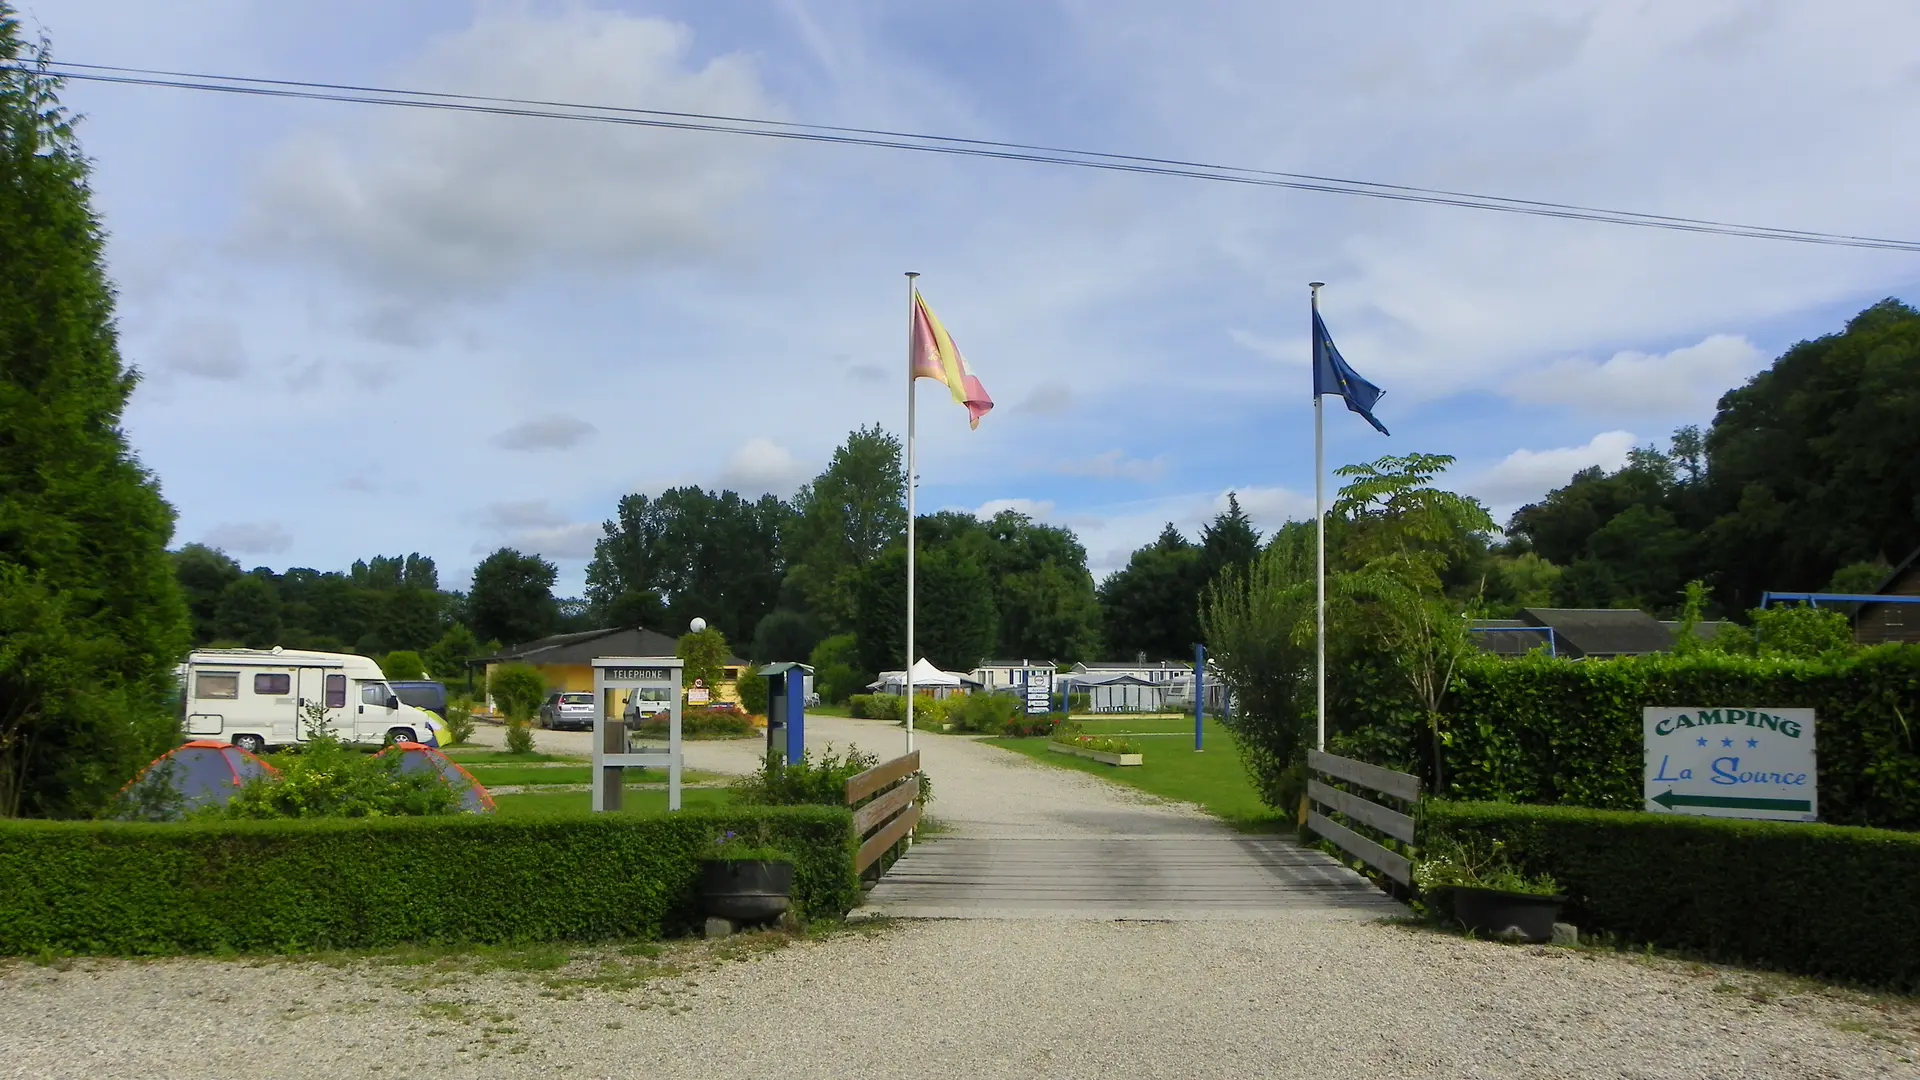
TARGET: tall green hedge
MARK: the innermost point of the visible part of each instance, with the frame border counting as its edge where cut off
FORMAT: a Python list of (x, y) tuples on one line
[(1821, 900), (289, 886), (1545, 731)]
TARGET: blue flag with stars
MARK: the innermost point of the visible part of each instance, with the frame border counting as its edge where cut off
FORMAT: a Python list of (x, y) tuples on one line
[(1331, 375)]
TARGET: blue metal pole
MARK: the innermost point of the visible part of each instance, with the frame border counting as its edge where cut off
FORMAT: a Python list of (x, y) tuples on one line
[(1199, 691)]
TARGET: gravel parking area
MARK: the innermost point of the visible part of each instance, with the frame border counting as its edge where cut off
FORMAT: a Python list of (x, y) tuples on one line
[(1301, 996)]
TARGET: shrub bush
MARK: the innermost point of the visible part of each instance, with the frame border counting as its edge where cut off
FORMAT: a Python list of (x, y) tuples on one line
[(700, 724), (326, 779), (752, 688), (860, 706), (460, 724), (517, 689), (403, 664), (983, 713), (1544, 731), (810, 781), (1826, 900), (292, 886), (1028, 727)]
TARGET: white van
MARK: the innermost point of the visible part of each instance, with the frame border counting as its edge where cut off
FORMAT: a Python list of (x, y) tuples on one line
[(255, 698)]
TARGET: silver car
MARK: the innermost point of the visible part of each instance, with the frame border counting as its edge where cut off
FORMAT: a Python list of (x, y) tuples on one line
[(566, 709)]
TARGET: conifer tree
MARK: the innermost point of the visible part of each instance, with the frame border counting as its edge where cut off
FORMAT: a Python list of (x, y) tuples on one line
[(91, 618)]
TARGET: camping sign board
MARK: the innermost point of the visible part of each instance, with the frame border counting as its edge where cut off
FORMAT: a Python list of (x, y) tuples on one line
[(1731, 762)]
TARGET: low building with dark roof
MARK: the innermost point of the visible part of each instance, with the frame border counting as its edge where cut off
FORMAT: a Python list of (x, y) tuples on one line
[(1878, 623), (1575, 633), (566, 660)]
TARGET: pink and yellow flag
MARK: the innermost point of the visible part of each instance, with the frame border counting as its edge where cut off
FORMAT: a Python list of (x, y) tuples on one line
[(936, 357)]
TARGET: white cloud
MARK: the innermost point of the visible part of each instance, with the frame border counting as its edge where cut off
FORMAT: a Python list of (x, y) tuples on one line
[(1525, 475), (522, 514), (761, 465), (1037, 509), (1113, 465), (556, 432), (206, 348), (432, 203), (1686, 380), (249, 538), (574, 540)]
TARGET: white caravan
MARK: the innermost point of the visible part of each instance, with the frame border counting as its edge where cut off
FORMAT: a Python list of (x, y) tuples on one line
[(256, 698)]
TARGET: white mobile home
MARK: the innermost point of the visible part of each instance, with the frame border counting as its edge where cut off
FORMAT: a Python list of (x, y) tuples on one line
[(257, 698)]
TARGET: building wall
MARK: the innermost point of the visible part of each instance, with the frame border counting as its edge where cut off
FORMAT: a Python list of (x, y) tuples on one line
[(1892, 622)]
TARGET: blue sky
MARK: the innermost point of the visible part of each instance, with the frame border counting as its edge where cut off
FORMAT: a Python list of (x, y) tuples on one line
[(371, 330)]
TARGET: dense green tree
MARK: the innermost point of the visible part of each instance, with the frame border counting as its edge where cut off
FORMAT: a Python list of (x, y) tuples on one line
[(783, 636), (711, 555), (204, 574), (705, 652), (1228, 540), (411, 618), (512, 597), (448, 657), (1152, 606), (837, 674), (850, 513), (954, 626), (1043, 595), (91, 617), (249, 613)]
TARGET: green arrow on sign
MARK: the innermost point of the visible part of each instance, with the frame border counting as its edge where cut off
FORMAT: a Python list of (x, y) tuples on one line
[(1669, 800)]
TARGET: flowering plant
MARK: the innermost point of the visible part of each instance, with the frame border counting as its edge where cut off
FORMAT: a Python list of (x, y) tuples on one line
[(730, 846)]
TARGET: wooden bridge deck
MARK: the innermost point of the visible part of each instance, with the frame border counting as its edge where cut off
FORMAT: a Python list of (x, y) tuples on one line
[(1187, 875)]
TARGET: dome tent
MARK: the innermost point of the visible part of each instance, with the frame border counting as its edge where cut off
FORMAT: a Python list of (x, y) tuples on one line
[(190, 776), (419, 757)]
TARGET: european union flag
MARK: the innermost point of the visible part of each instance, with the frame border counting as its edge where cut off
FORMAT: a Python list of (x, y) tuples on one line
[(1331, 375)]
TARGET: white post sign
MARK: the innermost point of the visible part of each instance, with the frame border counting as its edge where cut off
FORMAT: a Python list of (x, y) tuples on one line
[(1740, 763)]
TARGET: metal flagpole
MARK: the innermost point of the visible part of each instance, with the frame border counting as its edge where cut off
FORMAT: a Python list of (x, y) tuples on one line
[(912, 479), (1320, 551)]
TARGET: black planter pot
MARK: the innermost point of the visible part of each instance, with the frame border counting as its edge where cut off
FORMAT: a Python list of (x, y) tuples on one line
[(746, 890), (1505, 914)]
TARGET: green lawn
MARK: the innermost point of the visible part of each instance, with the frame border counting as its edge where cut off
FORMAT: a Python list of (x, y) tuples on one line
[(651, 802), (472, 755), (1213, 778), (521, 775)]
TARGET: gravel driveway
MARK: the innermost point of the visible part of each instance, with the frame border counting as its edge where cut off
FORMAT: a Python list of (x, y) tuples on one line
[(1300, 992)]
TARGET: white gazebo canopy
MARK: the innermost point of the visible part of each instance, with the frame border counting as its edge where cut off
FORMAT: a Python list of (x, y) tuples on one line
[(925, 674)]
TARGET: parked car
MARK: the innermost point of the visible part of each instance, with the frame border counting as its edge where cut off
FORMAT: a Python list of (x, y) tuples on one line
[(566, 709), (431, 696)]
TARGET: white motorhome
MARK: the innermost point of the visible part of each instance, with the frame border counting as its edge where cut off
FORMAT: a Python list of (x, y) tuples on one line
[(256, 698)]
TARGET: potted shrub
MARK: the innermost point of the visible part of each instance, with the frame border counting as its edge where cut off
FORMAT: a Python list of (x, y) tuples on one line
[(745, 882), (1487, 893)]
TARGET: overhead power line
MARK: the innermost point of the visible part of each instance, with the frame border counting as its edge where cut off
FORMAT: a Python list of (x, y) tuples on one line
[(934, 144)]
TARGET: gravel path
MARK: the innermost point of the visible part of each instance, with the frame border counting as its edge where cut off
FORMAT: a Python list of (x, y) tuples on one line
[(1302, 997), (1303, 992)]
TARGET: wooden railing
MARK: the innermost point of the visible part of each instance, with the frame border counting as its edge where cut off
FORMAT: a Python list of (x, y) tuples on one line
[(882, 823), (1404, 787)]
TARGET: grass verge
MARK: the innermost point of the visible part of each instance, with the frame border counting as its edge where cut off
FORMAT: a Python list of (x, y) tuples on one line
[(646, 802), (1213, 779)]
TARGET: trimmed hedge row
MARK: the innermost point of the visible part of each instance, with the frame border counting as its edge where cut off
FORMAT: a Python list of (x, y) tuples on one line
[(1544, 731), (292, 886), (1823, 900)]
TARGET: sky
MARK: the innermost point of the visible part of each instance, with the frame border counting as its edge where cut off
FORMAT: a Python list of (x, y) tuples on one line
[(366, 330)]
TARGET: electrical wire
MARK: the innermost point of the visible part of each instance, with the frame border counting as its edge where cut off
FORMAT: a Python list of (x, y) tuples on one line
[(934, 144)]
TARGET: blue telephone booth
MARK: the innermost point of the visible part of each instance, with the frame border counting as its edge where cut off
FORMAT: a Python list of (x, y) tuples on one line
[(786, 709)]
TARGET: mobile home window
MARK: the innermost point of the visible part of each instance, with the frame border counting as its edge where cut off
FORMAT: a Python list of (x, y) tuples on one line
[(273, 685), (336, 691), (374, 693), (217, 685)]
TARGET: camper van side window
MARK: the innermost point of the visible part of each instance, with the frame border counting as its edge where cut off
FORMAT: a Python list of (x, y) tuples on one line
[(336, 691), (271, 685), (223, 685)]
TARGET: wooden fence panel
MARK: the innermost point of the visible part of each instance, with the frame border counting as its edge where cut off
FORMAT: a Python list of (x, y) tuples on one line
[(1400, 785), (1392, 822), (1396, 866), (878, 777)]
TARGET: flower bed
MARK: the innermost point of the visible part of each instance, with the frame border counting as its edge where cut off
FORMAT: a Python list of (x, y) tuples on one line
[(1105, 750)]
